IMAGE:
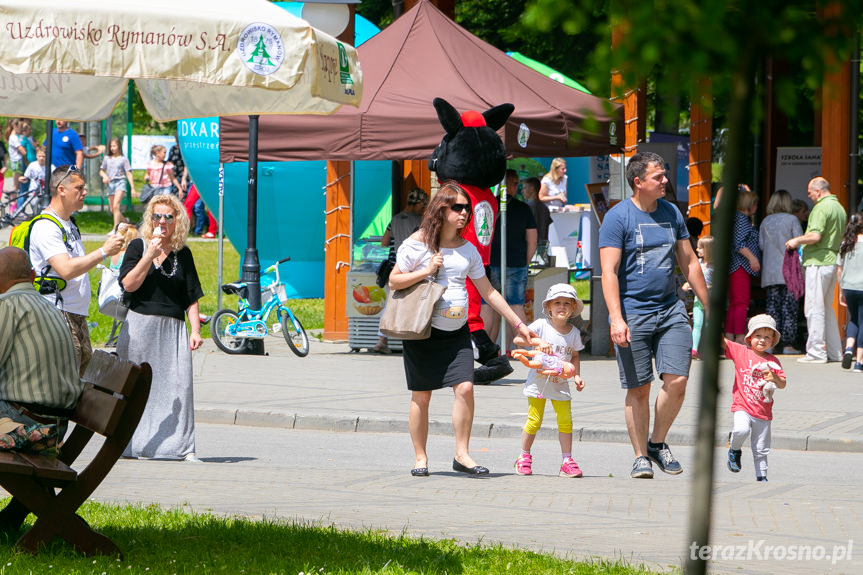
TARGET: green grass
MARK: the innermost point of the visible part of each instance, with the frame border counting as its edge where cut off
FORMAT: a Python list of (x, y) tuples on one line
[(156, 541), (102, 222)]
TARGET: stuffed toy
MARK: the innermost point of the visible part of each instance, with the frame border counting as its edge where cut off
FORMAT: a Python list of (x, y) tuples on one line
[(767, 387), (472, 155), (546, 363)]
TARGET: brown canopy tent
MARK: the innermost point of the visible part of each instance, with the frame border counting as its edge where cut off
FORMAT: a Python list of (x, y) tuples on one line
[(420, 56)]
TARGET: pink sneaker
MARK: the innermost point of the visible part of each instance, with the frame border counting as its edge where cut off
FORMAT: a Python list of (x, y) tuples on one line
[(523, 463), (569, 468)]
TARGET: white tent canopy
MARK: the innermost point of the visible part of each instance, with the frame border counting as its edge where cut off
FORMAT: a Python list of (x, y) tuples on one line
[(189, 58)]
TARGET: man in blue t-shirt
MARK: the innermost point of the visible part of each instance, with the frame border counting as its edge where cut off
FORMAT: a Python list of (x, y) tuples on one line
[(66, 147), (639, 241)]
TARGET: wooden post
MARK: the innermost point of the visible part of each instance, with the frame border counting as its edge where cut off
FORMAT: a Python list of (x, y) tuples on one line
[(835, 136), (338, 240), (337, 249), (416, 175), (836, 106), (634, 102), (700, 153)]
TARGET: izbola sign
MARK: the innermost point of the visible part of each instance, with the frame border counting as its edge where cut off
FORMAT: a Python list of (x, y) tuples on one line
[(345, 71)]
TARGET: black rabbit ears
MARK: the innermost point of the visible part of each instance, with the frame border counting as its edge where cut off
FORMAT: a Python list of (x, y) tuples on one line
[(452, 122)]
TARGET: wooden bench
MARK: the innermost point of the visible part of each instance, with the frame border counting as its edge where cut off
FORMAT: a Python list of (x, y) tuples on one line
[(111, 405)]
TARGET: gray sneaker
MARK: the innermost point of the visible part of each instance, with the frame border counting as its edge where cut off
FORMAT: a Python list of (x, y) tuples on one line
[(642, 469), (664, 459)]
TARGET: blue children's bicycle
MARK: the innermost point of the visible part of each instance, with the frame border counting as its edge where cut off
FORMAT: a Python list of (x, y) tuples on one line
[(232, 330)]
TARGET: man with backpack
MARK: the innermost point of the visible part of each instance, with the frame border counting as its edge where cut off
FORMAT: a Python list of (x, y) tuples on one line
[(59, 259)]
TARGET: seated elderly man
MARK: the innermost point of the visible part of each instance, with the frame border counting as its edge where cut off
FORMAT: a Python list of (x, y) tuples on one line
[(39, 382)]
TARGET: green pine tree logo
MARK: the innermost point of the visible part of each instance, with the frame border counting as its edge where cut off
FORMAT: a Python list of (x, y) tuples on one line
[(483, 227), (260, 55)]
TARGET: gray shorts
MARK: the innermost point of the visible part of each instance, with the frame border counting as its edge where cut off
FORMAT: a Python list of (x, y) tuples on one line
[(116, 186), (664, 335)]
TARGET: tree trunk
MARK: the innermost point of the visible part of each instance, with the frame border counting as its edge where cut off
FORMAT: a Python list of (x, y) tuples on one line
[(700, 513)]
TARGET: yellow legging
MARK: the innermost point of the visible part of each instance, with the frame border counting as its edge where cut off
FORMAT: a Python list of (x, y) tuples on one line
[(536, 409)]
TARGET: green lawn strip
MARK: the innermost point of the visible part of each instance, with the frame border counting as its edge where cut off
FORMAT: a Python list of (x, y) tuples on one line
[(155, 541), (206, 253), (101, 222)]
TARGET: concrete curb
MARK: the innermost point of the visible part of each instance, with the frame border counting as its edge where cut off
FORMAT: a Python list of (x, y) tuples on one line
[(357, 424)]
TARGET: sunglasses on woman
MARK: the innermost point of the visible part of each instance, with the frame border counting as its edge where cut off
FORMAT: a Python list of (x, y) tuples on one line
[(458, 208), (159, 217)]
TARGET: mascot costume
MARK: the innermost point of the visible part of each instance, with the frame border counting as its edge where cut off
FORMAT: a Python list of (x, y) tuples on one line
[(473, 156)]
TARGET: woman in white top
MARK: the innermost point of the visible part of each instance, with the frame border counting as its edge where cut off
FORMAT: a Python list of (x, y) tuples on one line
[(445, 359), (552, 189), (17, 155)]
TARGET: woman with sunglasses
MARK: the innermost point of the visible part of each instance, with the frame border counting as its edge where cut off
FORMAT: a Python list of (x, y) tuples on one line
[(445, 359), (158, 273)]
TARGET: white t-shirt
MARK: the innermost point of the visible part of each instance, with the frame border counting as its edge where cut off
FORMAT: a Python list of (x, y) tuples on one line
[(450, 312), (14, 142), (46, 241), (36, 174), (555, 190), (553, 387)]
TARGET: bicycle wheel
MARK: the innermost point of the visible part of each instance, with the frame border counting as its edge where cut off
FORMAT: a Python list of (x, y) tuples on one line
[(218, 327), (295, 334)]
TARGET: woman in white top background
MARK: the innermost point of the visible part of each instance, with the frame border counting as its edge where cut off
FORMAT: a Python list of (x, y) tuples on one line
[(445, 359), (552, 189)]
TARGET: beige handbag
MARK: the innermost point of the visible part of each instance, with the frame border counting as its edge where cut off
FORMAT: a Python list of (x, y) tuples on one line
[(409, 311)]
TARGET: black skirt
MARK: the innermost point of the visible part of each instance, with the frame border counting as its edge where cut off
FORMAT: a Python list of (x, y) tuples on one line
[(443, 360)]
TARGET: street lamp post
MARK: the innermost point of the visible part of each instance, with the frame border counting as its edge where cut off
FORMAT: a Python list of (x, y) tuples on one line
[(336, 18)]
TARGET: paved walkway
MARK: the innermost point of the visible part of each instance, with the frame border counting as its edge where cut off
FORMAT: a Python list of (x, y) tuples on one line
[(324, 439), (334, 389)]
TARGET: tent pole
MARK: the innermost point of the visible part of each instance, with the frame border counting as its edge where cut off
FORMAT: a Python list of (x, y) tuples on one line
[(503, 194), (49, 145), (221, 234), (251, 264), (130, 124)]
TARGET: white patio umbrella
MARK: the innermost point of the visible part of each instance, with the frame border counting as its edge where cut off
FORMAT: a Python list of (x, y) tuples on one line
[(189, 58)]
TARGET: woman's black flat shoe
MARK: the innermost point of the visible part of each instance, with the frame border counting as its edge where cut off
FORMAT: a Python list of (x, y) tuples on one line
[(420, 472), (478, 470)]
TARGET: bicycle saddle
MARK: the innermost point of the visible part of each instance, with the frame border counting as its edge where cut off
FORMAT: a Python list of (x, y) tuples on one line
[(236, 288)]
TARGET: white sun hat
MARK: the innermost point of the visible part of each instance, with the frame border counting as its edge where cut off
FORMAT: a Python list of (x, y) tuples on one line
[(563, 290), (759, 321)]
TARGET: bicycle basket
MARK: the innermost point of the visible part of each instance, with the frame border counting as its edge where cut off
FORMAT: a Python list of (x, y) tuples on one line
[(278, 289)]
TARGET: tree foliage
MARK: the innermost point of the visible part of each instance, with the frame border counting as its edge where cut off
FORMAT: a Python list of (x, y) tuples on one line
[(499, 22), (378, 12), (697, 39)]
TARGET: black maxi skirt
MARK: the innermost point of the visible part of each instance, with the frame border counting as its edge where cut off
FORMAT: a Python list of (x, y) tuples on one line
[(443, 360)]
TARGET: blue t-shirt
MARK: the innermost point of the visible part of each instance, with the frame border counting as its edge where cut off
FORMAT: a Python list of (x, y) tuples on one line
[(647, 241), (63, 147)]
